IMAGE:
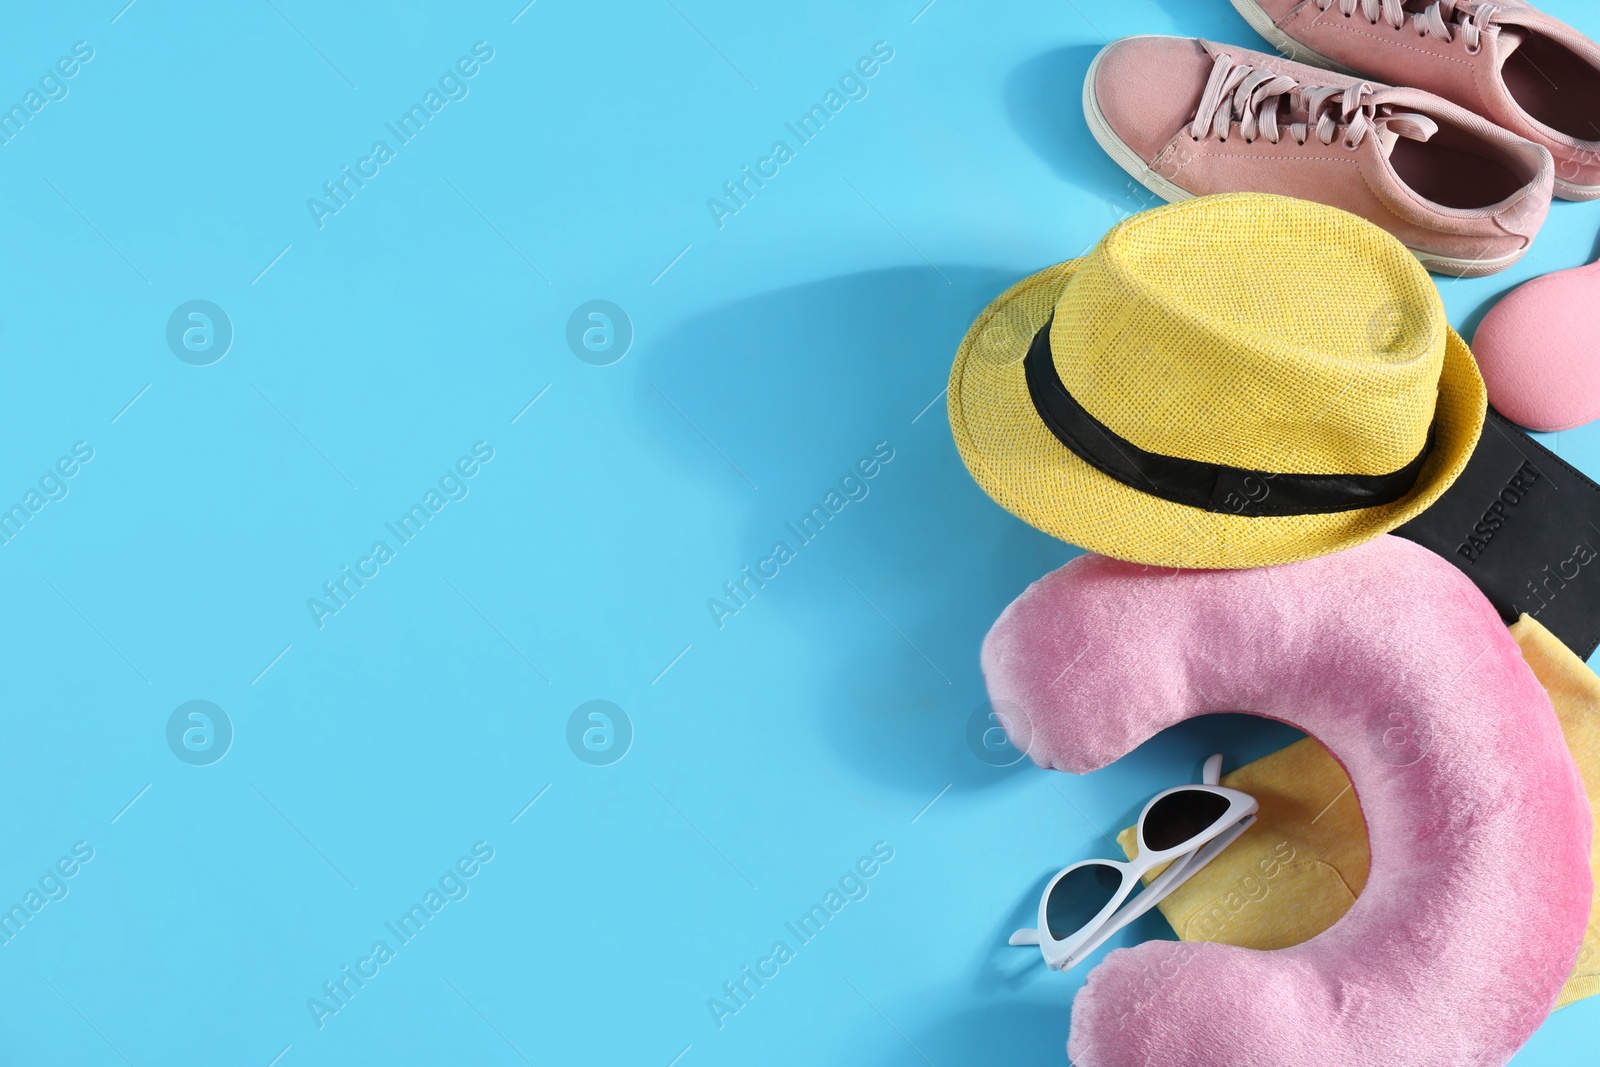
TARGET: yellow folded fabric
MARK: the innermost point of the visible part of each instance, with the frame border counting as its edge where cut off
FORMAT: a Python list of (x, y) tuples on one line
[(1298, 870)]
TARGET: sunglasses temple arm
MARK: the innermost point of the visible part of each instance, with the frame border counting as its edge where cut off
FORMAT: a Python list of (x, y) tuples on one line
[(1212, 775), (1179, 872)]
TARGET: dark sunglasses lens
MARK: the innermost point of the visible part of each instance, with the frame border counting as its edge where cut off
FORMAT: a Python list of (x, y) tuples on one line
[(1080, 895), (1180, 817)]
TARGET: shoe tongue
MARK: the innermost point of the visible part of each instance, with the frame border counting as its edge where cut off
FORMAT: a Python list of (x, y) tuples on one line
[(1410, 124), (1507, 41)]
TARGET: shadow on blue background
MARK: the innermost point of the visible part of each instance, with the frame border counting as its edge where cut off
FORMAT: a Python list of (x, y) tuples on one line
[(1043, 99), (841, 354)]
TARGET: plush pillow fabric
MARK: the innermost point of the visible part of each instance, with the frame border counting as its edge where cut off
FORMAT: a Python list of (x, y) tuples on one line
[(1478, 826), (1306, 864)]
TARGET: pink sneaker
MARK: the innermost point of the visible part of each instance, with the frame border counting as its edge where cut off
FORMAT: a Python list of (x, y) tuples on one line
[(1189, 118), (1507, 61)]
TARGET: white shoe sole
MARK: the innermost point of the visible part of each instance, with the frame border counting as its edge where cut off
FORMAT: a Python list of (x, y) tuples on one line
[(1129, 160), (1568, 191)]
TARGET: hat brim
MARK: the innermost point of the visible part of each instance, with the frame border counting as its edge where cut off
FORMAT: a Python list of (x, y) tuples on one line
[(1021, 464)]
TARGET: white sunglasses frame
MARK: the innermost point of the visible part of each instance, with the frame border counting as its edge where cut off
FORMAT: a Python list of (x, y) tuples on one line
[(1186, 860)]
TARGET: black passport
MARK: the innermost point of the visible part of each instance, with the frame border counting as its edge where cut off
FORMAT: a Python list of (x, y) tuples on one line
[(1525, 526)]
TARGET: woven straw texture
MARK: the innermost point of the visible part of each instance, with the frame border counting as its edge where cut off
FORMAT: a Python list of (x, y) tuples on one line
[(1255, 331)]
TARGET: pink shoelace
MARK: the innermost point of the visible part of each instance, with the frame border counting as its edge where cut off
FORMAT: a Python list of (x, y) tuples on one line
[(1253, 98), (1437, 18)]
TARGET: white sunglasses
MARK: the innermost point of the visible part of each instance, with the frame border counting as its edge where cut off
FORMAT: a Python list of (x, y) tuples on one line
[(1187, 826)]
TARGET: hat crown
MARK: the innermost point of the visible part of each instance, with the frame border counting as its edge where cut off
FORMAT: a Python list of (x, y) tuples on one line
[(1255, 332)]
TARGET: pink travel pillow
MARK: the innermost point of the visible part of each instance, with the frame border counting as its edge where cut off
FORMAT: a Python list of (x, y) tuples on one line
[(1539, 350), (1475, 908)]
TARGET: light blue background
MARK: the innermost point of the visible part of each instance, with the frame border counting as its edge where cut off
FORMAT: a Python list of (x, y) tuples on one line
[(769, 355)]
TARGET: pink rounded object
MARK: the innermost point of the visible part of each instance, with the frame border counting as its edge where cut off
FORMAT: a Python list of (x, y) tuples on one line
[(1474, 911), (1539, 350)]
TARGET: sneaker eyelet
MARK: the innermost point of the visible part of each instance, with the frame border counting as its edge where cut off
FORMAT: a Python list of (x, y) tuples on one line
[(1474, 51)]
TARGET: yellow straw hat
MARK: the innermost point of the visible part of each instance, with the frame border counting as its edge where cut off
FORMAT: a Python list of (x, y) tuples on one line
[(1231, 381)]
